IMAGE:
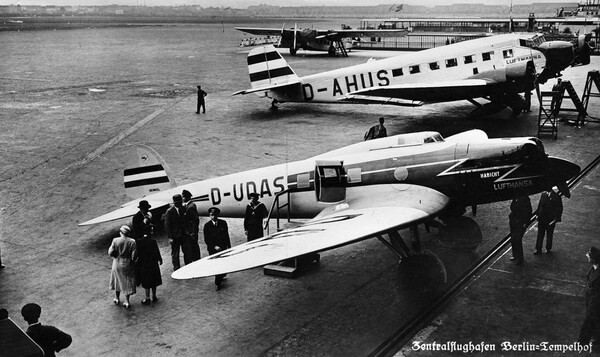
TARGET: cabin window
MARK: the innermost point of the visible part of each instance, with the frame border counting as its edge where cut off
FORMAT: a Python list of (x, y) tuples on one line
[(452, 62), (397, 72), (469, 59), (487, 55), (475, 70), (507, 53), (414, 69), (434, 65)]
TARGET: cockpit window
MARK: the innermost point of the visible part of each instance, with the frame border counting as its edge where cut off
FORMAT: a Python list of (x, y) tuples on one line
[(433, 138)]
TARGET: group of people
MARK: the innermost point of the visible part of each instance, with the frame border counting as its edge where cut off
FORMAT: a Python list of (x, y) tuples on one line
[(137, 259)]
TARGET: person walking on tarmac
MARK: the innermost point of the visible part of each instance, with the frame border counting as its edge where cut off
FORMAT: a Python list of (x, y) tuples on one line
[(216, 237), (520, 213), (201, 103), (550, 210), (377, 131), (256, 212)]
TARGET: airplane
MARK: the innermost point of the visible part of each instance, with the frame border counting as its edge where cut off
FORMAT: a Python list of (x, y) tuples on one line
[(356, 192), (319, 40), (496, 68)]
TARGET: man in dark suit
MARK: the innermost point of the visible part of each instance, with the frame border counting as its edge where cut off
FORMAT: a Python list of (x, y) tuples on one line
[(191, 227), (520, 213), (550, 210), (174, 220), (49, 338), (216, 237), (590, 329), (201, 103), (141, 220)]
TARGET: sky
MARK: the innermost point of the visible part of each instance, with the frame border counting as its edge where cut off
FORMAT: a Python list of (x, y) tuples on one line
[(242, 4)]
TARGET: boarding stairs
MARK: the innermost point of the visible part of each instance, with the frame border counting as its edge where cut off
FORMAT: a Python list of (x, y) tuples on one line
[(290, 268), (548, 113)]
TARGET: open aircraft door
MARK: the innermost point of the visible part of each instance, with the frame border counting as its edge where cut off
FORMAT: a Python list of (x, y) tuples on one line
[(330, 181)]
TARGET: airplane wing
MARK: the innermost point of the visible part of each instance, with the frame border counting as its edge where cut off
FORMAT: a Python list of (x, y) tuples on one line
[(423, 92), (260, 31), (127, 210), (367, 212), (332, 35)]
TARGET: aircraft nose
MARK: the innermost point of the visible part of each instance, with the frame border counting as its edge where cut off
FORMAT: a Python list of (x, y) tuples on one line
[(559, 55), (560, 172)]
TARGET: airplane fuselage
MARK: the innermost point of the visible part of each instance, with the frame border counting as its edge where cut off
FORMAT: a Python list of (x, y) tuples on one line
[(497, 60), (469, 173)]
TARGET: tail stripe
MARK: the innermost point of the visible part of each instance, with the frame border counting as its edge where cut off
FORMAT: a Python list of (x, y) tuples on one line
[(143, 169), (263, 57), (270, 74), (144, 182)]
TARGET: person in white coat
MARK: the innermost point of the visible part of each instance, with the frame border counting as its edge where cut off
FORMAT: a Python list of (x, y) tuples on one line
[(122, 275)]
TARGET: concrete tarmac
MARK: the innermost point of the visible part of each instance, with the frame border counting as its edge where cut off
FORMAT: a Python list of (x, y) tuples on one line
[(68, 120)]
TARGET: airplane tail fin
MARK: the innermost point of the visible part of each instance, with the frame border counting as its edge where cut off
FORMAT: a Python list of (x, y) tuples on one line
[(267, 68), (146, 172)]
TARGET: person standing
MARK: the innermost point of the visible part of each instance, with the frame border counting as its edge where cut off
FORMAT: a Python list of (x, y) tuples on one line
[(49, 338), (122, 275), (141, 220), (550, 210), (520, 214), (590, 329), (174, 220), (256, 212), (201, 103), (191, 226), (216, 237), (377, 131), (148, 262)]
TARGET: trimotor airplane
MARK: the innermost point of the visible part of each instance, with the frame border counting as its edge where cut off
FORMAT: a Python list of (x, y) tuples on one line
[(357, 192), (319, 40), (496, 68)]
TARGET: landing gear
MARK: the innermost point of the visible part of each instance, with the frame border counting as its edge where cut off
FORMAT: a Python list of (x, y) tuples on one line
[(293, 51), (274, 104)]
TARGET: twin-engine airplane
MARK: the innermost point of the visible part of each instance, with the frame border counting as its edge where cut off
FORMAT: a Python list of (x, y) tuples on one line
[(496, 68), (319, 40), (357, 192)]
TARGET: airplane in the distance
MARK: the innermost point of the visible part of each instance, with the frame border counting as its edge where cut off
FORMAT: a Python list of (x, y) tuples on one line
[(357, 192), (319, 40), (496, 68)]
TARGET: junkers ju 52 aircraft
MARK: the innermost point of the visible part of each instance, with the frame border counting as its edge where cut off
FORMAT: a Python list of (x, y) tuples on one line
[(319, 40), (357, 192), (496, 68)]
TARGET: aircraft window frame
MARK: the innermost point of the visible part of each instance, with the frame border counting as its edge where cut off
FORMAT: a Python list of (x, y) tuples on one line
[(508, 53), (475, 70), (434, 66), (469, 59), (414, 69), (487, 56), (451, 62), (397, 72)]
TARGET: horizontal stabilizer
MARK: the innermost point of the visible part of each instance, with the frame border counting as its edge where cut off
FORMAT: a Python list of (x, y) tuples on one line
[(266, 88), (127, 210)]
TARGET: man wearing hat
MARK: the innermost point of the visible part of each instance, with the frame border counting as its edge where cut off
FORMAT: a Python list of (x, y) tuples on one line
[(549, 210), (216, 237), (49, 338), (590, 329), (191, 227), (141, 220), (174, 220), (256, 212)]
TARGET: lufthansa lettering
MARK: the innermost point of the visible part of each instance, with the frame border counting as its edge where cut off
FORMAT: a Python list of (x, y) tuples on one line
[(512, 185)]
